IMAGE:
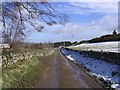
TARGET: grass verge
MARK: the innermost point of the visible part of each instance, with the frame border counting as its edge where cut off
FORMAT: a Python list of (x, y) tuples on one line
[(21, 75)]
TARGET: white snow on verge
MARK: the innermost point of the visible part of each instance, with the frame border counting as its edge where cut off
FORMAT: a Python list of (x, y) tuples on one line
[(99, 68), (102, 46)]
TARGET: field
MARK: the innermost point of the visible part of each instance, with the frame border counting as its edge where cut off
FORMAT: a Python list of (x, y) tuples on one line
[(101, 47)]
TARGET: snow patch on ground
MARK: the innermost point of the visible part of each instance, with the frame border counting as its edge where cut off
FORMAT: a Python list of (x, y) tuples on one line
[(102, 46), (101, 69)]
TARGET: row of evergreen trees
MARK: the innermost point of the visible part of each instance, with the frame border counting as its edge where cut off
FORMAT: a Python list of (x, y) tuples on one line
[(105, 38)]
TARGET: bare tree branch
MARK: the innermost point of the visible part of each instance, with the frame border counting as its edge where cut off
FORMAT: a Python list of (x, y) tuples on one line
[(16, 14)]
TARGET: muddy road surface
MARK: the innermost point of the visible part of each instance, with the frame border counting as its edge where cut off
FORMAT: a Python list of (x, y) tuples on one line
[(59, 72)]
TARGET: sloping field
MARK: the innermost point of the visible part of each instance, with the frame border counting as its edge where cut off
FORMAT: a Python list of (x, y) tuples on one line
[(103, 46)]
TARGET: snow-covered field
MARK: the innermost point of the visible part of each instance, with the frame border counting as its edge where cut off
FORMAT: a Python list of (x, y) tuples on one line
[(103, 70), (103, 46)]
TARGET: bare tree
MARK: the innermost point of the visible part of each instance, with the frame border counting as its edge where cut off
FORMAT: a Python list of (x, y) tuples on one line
[(17, 15)]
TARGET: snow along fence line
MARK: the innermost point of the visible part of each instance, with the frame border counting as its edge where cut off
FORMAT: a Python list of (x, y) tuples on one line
[(106, 72), (111, 57)]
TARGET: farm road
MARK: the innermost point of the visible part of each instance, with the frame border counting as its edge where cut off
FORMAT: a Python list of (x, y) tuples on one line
[(59, 72)]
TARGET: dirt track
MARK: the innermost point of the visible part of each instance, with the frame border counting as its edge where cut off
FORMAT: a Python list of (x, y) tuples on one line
[(58, 72)]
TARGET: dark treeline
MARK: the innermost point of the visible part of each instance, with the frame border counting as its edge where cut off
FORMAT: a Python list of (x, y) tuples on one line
[(64, 43), (48, 45), (104, 38)]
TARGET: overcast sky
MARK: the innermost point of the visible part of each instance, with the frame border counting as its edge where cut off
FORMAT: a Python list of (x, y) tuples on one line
[(86, 20)]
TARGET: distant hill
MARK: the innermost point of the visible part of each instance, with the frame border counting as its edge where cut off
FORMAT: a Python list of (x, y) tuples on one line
[(104, 38)]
